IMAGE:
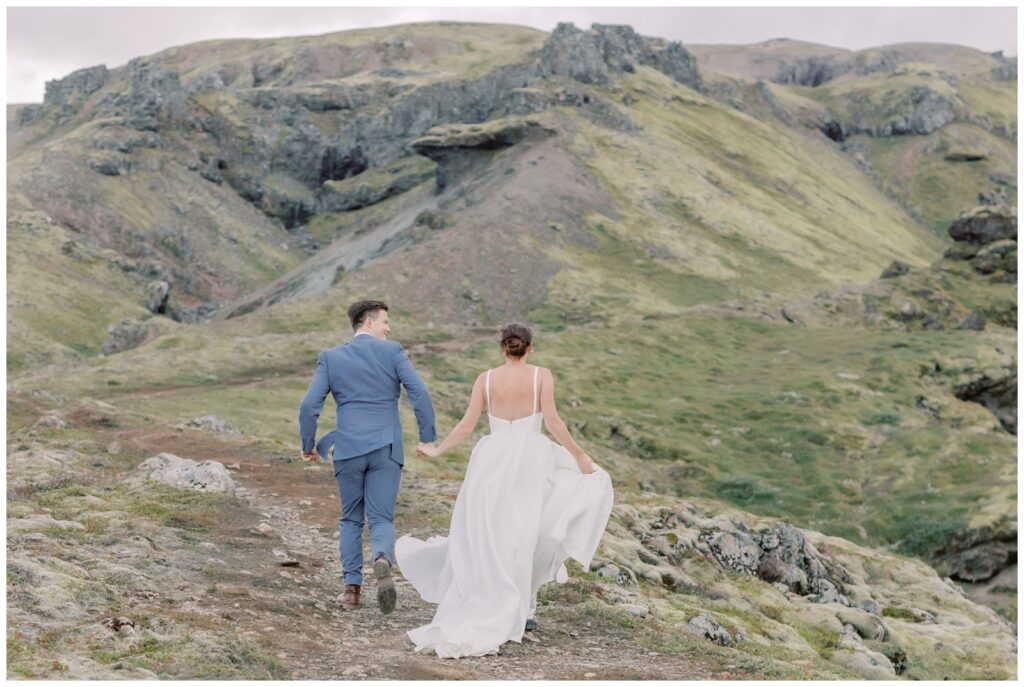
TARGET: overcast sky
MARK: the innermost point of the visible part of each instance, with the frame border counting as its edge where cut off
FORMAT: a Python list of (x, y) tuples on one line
[(48, 43)]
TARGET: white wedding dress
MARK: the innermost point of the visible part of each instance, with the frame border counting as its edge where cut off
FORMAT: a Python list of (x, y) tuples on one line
[(523, 509)]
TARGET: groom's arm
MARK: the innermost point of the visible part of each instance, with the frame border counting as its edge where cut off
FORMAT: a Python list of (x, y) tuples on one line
[(418, 396), (313, 403)]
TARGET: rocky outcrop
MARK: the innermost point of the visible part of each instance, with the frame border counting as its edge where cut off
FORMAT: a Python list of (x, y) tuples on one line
[(593, 56), (374, 185), (152, 94), (65, 97), (878, 614), (918, 110), (986, 237), (998, 393), (812, 71), (459, 149), (781, 555)]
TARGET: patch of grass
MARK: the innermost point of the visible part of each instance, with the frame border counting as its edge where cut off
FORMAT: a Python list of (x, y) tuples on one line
[(901, 613), (887, 417), (743, 491)]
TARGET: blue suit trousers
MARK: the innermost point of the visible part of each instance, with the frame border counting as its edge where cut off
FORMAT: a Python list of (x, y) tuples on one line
[(368, 488)]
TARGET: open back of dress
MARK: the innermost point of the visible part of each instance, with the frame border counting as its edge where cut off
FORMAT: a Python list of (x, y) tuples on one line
[(532, 422)]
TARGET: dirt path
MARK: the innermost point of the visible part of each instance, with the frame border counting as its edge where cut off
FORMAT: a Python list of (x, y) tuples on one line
[(326, 643)]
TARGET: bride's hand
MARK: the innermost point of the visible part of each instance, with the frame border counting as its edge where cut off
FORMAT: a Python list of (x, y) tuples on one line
[(428, 450), (586, 464)]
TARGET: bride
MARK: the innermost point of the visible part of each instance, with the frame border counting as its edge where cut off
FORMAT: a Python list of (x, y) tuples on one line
[(525, 506)]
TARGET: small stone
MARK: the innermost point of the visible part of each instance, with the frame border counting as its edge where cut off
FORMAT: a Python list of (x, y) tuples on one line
[(636, 610), (870, 605), (589, 674), (265, 528), (50, 421)]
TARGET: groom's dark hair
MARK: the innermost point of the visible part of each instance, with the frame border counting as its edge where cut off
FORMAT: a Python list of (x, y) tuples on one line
[(358, 311)]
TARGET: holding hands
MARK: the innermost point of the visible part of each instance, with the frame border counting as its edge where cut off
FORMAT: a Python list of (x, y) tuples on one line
[(427, 449), (310, 456)]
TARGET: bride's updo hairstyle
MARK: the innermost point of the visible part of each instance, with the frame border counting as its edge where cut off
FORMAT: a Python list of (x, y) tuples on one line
[(515, 339)]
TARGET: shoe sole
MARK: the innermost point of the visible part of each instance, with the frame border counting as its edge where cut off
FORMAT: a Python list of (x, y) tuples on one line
[(386, 595)]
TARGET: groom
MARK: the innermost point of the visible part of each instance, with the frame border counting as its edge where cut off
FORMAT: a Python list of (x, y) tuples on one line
[(365, 376)]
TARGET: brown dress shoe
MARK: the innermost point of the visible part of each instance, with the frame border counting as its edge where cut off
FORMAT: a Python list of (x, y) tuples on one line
[(349, 599)]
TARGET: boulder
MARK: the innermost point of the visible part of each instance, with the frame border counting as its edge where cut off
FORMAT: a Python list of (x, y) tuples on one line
[(157, 293), (126, 334), (975, 321), (183, 473), (736, 551), (853, 653), (983, 225), (704, 626), (896, 269), (111, 166), (50, 421), (996, 256)]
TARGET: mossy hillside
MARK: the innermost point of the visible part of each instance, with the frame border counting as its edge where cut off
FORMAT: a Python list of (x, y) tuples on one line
[(939, 189), (54, 294), (227, 246), (803, 204), (227, 234), (58, 600), (781, 633), (430, 51)]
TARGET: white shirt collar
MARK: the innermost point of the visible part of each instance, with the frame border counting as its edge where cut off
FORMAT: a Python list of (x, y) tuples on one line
[(358, 333)]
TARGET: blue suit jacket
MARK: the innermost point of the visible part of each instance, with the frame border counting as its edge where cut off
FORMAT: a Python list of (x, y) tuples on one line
[(365, 377)]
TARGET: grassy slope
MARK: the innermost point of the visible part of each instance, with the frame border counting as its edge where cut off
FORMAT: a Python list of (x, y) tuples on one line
[(744, 202)]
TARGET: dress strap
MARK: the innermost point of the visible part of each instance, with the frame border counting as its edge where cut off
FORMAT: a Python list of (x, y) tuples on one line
[(535, 371), (487, 391)]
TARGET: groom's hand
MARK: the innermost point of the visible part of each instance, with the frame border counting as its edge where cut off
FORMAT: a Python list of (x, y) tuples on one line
[(426, 449), (310, 456)]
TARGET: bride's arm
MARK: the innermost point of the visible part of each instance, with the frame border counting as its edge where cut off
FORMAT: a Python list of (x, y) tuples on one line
[(465, 426), (556, 425)]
